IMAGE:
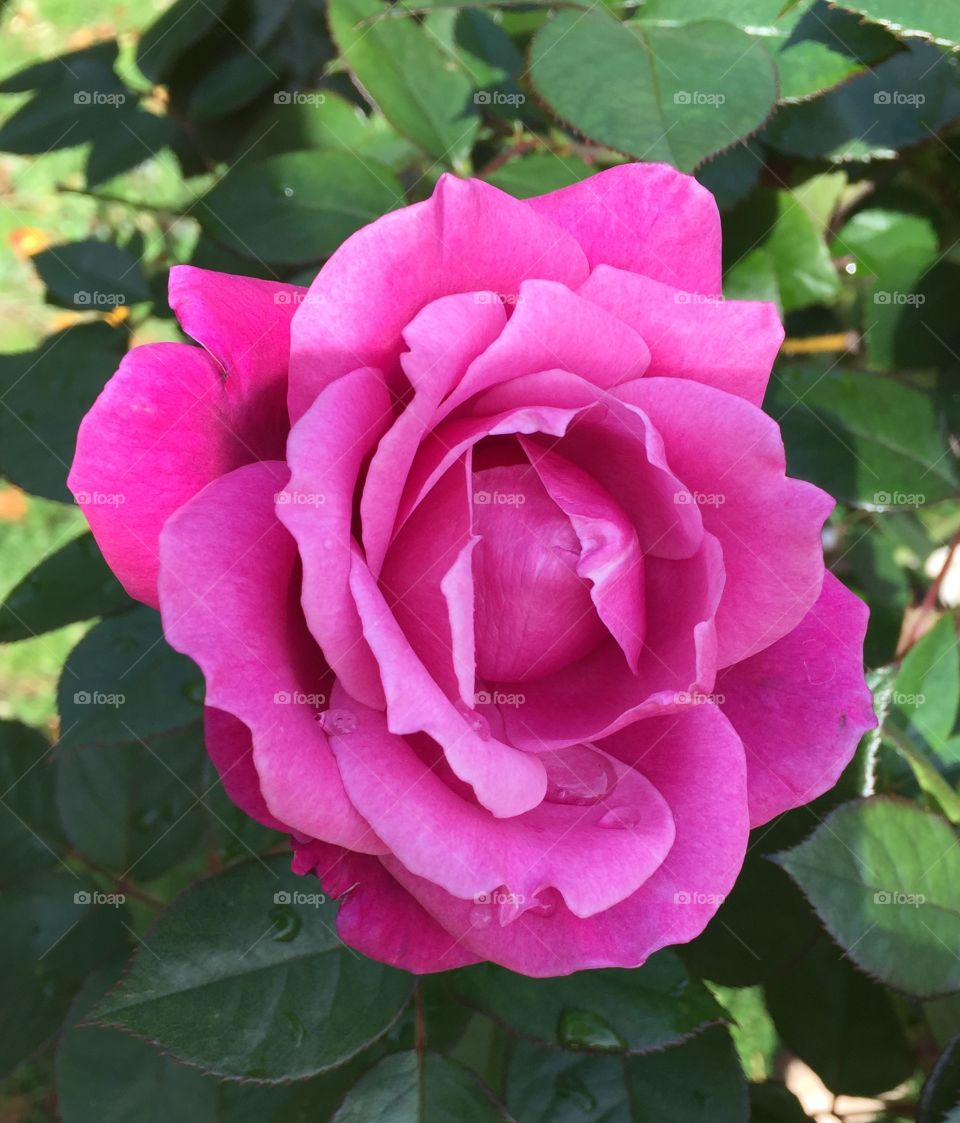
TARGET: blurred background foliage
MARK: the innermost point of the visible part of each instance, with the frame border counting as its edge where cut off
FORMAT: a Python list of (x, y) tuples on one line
[(253, 136)]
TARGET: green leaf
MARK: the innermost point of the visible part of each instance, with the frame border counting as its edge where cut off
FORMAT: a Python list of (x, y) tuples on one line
[(814, 46), (52, 933), (926, 690), (770, 1102), (229, 84), (73, 584), (898, 103), (178, 29), (246, 977), (44, 395), (632, 1011), (840, 1023), (297, 207), (135, 809), (674, 94), (122, 685), (407, 75), (941, 1092), (485, 54), (892, 251), (400, 1090), (884, 877), (30, 832), (699, 1081), (924, 19), (539, 174), (867, 440)]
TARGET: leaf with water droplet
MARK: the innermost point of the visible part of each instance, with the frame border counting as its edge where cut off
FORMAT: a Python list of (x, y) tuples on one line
[(580, 1029)]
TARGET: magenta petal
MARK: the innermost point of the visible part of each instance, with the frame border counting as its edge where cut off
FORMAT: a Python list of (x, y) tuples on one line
[(377, 916), (228, 593), (443, 340), (730, 456), (610, 557), (505, 781), (162, 428), (468, 237), (230, 747), (801, 705), (645, 218), (695, 761), (554, 327), (462, 848), (327, 448), (730, 344)]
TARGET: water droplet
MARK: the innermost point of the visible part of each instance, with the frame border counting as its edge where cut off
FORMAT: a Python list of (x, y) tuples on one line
[(339, 722), (288, 191), (477, 722), (620, 818), (481, 916), (571, 1087), (299, 1029), (194, 690), (581, 1029), (286, 923), (545, 903), (579, 774)]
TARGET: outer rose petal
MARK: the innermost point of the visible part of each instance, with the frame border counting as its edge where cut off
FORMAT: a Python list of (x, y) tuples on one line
[(801, 705), (230, 747), (695, 760), (228, 591), (728, 344), (467, 237), (730, 456), (378, 917), (646, 218), (454, 843), (175, 417)]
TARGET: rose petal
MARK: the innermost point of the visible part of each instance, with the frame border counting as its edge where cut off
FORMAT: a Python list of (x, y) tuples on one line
[(228, 593), (468, 237), (230, 747), (646, 218), (730, 344), (801, 705)]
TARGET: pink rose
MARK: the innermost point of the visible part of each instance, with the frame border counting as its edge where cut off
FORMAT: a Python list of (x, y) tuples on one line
[(508, 612)]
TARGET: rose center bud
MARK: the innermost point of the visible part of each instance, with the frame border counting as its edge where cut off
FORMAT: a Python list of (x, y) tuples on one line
[(532, 613)]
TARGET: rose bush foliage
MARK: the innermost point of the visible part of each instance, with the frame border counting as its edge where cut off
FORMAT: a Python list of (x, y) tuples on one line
[(508, 611)]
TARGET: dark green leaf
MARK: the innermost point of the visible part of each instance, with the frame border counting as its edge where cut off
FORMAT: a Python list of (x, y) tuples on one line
[(867, 440), (941, 1092), (926, 690), (884, 877), (178, 29), (675, 94), (245, 976), (840, 1023), (539, 174), (297, 207), (925, 19), (30, 833), (398, 1090), (408, 76), (770, 1102), (633, 1011)]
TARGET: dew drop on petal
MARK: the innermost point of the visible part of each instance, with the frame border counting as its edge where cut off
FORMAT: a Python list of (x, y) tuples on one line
[(620, 818), (477, 722), (481, 916), (545, 902), (339, 722), (579, 774)]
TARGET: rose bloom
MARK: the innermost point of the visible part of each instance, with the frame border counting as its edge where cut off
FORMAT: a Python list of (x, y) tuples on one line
[(507, 610)]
